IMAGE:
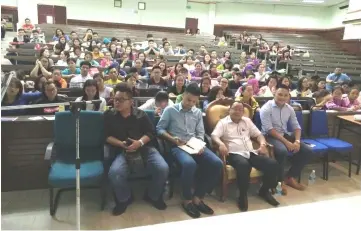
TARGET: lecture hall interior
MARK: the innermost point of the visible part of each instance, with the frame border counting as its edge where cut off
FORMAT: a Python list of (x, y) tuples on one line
[(231, 113)]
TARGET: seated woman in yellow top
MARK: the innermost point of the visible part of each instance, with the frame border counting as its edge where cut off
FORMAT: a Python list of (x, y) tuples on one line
[(113, 77), (97, 54), (247, 97)]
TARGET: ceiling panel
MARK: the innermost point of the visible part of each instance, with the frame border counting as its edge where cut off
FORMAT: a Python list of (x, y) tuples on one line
[(283, 2)]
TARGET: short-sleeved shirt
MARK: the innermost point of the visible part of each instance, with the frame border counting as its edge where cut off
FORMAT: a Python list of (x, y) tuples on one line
[(275, 117), (237, 136), (67, 71), (173, 89), (336, 78), (162, 83), (151, 52)]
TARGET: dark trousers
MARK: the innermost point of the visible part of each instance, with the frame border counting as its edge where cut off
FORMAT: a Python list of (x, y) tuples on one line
[(298, 160), (207, 166), (3, 31), (243, 167)]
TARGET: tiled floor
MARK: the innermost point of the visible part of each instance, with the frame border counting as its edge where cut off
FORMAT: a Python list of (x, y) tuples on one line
[(29, 209)]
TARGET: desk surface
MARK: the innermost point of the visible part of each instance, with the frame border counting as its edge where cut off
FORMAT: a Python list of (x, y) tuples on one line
[(349, 118), (341, 214)]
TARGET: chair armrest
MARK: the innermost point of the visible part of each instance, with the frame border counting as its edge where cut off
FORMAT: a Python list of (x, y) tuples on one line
[(208, 141), (50, 151), (213, 146), (107, 150)]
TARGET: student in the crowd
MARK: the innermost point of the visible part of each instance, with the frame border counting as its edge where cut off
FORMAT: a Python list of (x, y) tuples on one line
[(351, 99), (74, 37), (338, 102), (151, 49), (196, 73), (97, 54), (175, 71), (64, 56), (243, 59), (104, 91), (156, 78), (113, 77), (215, 93), (21, 36), (205, 85), (235, 146), (184, 71), (3, 28), (142, 58), (129, 51), (58, 79), (285, 81), (125, 62), (50, 95), (132, 81), (261, 75), (270, 88), (336, 78), (178, 88), (213, 71), (285, 57), (275, 115), (167, 49), (77, 53), (36, 38), (75, 43), (346, 86), (319, 85), (222, 42), (78, 80), (177, 125), (224, 85), (107, 61), (63, 44), (247, 97), (88, 57), (322, 97), (214, 58), (189, 64), (206, 62), (130, 132), (252, 62), (226, 66), (158, 103), (91, 92), (58, 34), (88, 35), (303, 89), (44, 52), (114, 52), (39, 83), (236, 82), (42, 68), (202, 50), (189, 32), (72, 70), (138, 64), (15, 95), (313, 82), (28, 26), (164, 69), (226, 56)]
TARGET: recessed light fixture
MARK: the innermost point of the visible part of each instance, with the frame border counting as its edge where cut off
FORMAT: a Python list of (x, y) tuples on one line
[(313, 1)]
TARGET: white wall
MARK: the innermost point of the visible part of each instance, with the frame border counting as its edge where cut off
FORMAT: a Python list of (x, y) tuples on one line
[(9, 2), (29, 8), (271, 15), (337, 16), (200, 11)]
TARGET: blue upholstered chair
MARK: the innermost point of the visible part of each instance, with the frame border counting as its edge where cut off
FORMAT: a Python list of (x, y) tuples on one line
[(319, 132), (317, 147), (62, 154)]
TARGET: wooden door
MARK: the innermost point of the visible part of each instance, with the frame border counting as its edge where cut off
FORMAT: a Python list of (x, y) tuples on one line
[(192, 23), (43, 12), (60, 15)]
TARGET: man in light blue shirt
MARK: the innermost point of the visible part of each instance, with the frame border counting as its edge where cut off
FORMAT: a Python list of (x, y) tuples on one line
[(275, 115), (336, 78), (178, 124)]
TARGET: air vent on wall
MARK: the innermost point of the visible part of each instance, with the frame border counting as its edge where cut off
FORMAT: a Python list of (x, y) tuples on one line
[(343, 7)]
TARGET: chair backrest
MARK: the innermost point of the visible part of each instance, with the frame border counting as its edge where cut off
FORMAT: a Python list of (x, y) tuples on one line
[(152, 117), (219, 109), (91, 135), (299, 116), (257, 120), (318, 123)]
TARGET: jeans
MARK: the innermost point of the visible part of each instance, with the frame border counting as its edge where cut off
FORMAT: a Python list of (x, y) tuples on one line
[(209, 169), (243, 167), (298, 161), (155, 165)]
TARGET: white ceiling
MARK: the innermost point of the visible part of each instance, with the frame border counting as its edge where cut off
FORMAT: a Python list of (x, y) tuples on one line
[(282, 2)]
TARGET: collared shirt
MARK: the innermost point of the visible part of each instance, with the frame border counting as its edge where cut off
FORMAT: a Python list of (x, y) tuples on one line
[(37, 40), (181, 123), (274, 117), (134, 126), (78, 81), (237, 136), (340, 78), (261, 77)]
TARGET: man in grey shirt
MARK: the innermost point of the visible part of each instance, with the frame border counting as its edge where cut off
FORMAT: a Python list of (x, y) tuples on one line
[(275, 115), (178, 124)]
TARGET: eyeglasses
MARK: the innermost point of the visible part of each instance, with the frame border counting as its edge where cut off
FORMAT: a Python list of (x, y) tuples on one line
[(120, 100)]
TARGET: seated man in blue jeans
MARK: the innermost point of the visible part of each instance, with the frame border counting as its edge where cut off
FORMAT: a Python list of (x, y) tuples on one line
[(178, 124), (130, 132), (275, 115)]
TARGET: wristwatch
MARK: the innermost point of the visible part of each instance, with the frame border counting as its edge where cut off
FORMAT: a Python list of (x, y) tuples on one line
[(141, 142)]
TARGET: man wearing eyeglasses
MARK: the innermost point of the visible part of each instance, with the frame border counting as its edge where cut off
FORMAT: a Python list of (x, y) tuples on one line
[(130, 132), (232, 135)]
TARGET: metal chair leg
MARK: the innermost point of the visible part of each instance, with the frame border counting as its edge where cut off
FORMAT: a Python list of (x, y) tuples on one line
[(349, 163), (327, 164), (51, 201)]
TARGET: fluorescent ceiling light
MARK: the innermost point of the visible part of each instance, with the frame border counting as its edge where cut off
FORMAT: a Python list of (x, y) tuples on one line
[(313, 1)]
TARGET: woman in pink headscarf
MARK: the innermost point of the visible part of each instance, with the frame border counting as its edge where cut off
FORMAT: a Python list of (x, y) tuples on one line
[(252, 82)]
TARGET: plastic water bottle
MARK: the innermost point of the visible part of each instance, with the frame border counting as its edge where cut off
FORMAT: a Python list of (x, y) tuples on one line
[(312, 178), (279, 189), (166, 191)]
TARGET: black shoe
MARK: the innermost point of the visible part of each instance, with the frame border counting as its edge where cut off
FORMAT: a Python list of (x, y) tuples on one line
[(243, 203), (120, 207), (159, 204), (203, 208), (267, 196), (191, 210)]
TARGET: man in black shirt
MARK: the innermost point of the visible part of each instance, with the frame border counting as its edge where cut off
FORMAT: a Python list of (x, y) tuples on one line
[(236, 82), (130, 131), (156, 78)]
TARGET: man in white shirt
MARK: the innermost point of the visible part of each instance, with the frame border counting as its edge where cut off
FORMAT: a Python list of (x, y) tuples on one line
[(261, 75), (78, 80), (158, 103), (233, 135)]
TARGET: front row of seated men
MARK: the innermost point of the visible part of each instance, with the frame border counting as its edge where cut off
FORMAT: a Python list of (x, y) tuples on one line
[(130, 132)]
